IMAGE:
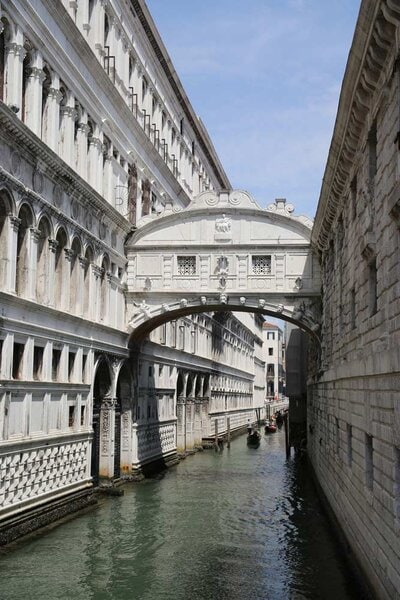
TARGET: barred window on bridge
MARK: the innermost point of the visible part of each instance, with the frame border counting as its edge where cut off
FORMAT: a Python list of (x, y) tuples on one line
[(261, 265), (186, 265)]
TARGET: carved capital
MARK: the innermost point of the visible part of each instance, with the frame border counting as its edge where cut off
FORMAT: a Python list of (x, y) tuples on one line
[(83, 262), (108, 403), (95, 141), (15, 222), (37, 73), (84, 128), (16, 49), (97, 271), (53, 245), (69, 254), (35, 233), (69, 111), (56, 94)]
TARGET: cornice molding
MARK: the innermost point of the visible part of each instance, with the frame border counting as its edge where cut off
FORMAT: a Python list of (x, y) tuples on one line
[(166, 65)]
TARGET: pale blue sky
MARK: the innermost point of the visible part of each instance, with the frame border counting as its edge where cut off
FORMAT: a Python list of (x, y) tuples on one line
[(264, 76)]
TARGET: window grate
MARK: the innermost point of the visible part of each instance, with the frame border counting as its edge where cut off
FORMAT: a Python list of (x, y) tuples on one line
[(261, 265), (186, 265)]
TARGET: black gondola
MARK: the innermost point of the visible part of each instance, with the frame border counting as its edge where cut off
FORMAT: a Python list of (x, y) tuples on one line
[(253, 439)]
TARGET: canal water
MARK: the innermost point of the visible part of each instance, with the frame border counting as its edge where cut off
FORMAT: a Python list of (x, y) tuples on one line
[(243, 523)]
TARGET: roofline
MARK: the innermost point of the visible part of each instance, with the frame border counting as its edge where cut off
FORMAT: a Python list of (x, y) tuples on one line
[(165, 61)]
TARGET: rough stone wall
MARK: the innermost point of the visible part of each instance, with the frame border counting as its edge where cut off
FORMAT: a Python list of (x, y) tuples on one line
[(353, 400)]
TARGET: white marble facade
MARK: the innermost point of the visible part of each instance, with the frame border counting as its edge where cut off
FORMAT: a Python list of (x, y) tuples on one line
[(95, 138)]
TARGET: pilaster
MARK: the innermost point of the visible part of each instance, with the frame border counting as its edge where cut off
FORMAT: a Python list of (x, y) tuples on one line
[(107, 429)]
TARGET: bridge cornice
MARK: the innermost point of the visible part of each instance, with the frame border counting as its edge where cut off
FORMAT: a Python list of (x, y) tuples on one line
[(235, 204)]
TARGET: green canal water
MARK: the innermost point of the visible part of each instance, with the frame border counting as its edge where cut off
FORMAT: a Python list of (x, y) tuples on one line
[(243, 523)]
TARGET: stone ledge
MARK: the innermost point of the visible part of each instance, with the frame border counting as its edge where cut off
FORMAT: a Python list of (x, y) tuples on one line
[(36, 519)]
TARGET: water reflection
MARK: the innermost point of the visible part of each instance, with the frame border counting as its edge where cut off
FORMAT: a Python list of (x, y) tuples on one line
[(220, 525)]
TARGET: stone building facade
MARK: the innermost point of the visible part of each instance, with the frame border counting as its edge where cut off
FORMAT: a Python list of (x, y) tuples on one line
[(353, 400), (96, 134), (274, 357)]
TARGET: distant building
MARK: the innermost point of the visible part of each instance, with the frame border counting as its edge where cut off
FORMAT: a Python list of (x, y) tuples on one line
[(274, 357)]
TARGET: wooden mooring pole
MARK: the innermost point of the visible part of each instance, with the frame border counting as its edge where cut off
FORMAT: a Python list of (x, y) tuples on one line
[(287, 443), (216, 435), (228, 426)]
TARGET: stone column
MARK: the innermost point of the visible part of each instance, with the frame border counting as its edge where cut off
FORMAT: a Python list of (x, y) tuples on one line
[(82, 15), (51, 114), (108, 178), (197, 422), (126, 437), (107, 428), (32, 262), (15, 54), (33, 103), (181, 424), (79, 291), (53, 245), (95, 159), (113, 300), (104, 314), (7, 357), (67, 130), (94, 293), (97, 32), (65, 296), (205, 420), (81, 146), (12, 243)]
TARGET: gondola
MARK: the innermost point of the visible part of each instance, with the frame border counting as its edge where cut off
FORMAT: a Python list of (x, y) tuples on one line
[(253, 439), (270, 427)]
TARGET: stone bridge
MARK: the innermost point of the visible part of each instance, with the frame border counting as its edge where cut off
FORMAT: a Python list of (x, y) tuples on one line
[(222, 252)]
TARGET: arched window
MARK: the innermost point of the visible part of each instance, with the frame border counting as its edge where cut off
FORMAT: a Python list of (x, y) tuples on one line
[(43, 254), (23, 248), (5, 209), (60, 266), (86, 282), (75, 277)]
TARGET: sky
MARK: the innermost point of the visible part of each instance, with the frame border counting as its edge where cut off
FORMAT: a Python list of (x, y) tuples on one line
[(264, 76)]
